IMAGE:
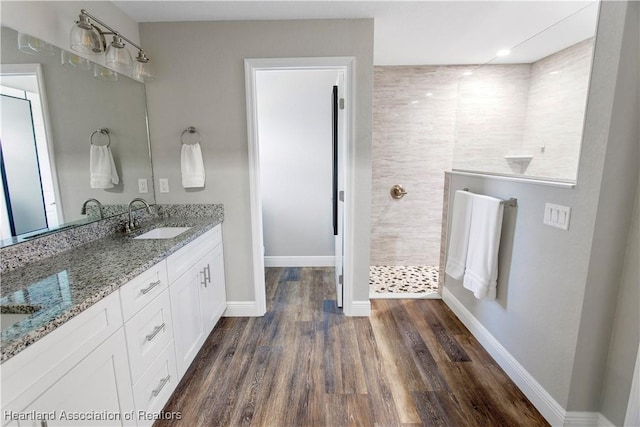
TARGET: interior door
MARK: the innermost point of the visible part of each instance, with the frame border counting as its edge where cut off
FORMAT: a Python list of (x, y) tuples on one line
[(338, 115)]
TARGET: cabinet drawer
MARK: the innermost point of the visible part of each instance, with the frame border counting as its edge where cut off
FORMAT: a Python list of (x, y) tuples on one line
[(143, 289), (180, 262), (153, 390), (148, 332)]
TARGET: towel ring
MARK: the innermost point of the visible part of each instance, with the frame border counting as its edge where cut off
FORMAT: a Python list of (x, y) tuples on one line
[(103, 131), (191, 130)]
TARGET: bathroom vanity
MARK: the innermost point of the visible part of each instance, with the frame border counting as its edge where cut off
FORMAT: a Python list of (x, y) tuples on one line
[(120, 322)]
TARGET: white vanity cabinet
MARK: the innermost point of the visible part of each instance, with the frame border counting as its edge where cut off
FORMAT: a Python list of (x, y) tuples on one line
[(79, 370), (95, 392), (197, 290), (149, 332), (123, 356)]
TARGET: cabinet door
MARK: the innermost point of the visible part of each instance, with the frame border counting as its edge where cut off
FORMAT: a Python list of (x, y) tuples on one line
[(187, 317), (213, 299), (98, 387)]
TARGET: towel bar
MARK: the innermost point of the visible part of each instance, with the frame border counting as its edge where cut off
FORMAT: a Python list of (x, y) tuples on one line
[(191, 130), (512, 202), (103, 131)]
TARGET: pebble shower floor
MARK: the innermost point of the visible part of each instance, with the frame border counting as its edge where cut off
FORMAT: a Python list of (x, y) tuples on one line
[(394, 281)]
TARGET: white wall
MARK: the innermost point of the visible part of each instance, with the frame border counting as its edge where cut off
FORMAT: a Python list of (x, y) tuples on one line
[(557, 290), (295, 142), (200, 82)]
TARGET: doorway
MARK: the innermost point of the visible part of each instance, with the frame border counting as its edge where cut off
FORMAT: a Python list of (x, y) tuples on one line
[(278, 193)]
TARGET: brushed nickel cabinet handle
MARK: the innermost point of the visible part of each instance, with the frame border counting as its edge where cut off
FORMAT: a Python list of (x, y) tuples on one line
[(151, 286), (204, 277), (208, 274), (155, 332), (163, 382)]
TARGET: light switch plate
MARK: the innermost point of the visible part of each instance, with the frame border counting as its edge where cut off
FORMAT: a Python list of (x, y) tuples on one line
[(557, 216), (164, 185), (142, 186)]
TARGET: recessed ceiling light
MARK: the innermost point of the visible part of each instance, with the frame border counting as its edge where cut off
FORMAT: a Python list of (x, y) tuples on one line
[(503, 52)]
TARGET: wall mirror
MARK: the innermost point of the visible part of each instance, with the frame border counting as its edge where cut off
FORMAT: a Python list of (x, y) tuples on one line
[(522, 113), (54, 104)]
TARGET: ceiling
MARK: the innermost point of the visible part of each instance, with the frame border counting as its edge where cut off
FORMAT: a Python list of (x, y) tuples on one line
[(413, 32)]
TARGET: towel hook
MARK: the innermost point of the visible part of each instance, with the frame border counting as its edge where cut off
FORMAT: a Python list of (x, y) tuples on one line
[(191, 130), (103, 131)]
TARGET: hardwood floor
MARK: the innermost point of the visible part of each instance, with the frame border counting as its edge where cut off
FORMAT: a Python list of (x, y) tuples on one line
[(305, 364)]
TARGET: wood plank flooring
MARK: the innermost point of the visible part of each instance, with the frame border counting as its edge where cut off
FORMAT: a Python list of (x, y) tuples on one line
[(411, 363)]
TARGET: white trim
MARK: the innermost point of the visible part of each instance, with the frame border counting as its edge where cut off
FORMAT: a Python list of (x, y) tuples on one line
[(252, 66), (504, 177), (299, 261), (632, 418), (242, 309), (604, 422), (551, 410), (360, 309), (581, 419)]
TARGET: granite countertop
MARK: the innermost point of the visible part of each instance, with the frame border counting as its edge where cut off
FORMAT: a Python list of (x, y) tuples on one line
[(55, 289)]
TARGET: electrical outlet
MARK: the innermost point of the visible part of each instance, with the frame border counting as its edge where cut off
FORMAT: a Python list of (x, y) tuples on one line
[(142, 186), (164, 185), (557, 216)]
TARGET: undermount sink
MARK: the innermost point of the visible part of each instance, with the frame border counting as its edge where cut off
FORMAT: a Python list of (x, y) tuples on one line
[(163, 233)]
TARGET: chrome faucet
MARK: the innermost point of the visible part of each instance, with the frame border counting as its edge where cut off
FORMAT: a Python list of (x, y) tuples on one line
[(83, 211), (130, 224)]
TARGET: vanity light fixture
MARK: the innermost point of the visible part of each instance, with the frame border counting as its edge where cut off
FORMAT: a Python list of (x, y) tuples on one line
[(88, 38)]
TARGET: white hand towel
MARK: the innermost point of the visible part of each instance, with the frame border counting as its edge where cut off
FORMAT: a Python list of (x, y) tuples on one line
[(192, 166), (102, 168), (481, 271), (459, 240)]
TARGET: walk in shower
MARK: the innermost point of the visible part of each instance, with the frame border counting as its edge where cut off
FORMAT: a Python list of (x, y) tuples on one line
[(518, 114)]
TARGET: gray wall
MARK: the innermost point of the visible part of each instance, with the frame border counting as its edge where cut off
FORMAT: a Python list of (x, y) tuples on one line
[(612, 226), (557, 290), (200, 70), (295, 140), (626, 331)]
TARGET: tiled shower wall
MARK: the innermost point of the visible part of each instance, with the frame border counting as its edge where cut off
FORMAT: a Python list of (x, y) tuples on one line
[(420, 111), (525, 109), (413, 129)]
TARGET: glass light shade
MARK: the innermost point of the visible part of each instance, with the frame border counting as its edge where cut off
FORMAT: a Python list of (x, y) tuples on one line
[(85, 40), (143, 71), (102, 73), (71, 60), (33, 45), (118, 57)]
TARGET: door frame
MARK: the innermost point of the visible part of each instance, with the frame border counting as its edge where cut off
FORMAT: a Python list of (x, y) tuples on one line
[(252, 66)]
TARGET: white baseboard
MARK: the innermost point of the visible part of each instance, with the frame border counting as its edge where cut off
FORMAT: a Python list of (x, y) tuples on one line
[(539, 397), (586, 419), (299, 261), (242, 309), (360, 309), (551, 410)]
